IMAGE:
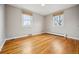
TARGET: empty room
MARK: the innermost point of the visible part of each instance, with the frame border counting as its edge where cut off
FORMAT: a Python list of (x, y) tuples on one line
[(39, 29)]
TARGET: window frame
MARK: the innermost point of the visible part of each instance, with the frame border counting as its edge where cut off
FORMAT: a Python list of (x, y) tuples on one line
[(59, 21), (23, 20)]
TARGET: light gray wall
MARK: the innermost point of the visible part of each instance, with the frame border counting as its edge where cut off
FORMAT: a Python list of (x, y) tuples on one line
[(71, 24), (13, 22), (37, 24), (2, 25), (41, 24), (14, 27)]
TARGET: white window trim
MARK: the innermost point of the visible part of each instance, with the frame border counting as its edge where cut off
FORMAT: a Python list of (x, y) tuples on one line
[(23, 21)]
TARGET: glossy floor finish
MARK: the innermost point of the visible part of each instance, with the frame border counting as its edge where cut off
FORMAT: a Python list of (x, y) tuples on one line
[(41, 44)]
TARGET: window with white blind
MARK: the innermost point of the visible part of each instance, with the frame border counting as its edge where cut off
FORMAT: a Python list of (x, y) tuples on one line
[(27, 19), (58, 19)]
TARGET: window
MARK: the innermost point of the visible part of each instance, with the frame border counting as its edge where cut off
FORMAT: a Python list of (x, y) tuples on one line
[(58, 19), (27, 20)]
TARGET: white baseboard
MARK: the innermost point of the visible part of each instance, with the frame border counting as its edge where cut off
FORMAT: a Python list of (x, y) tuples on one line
[(76, 38), (1, 46), (22, 36), (16, 37), (37, 33), (73, 37)]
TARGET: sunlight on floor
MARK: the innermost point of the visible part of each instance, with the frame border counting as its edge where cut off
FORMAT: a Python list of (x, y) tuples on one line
[(57, 46), (27, 47)]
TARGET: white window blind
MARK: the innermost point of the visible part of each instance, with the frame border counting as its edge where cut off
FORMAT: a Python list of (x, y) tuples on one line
[(58, 19), (27, 19)]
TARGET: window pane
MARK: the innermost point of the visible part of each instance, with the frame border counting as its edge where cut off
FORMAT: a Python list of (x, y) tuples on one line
[(58, 20), (27, 20)]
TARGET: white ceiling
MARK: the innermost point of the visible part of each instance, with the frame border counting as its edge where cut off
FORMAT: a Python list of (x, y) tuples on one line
[(43, 10)]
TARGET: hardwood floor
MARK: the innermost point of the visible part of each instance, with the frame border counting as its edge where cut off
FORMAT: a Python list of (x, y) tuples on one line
[(41, 44)]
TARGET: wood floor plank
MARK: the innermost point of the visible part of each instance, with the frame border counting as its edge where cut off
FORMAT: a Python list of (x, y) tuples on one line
[(41, 44)]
